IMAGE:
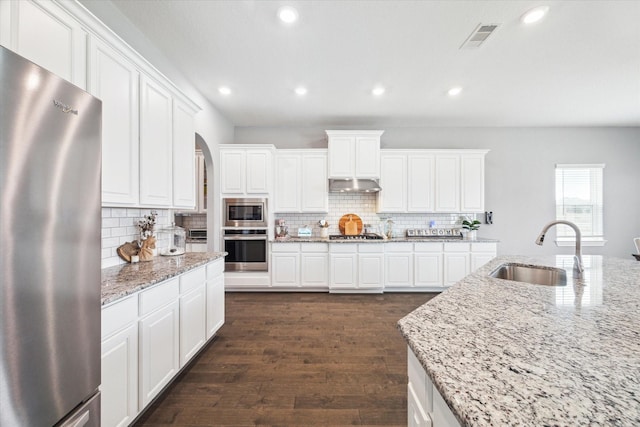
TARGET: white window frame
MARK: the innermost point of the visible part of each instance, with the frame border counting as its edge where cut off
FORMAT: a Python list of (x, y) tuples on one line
[(587, 239)]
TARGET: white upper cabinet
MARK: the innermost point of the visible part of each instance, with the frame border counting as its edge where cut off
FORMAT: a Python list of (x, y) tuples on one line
[(115, 80), (447, 175), (301, 181), (246, 170), (156, 165), (354, 154), (184, 165), (44, 33), (393, 180), (472, 185), (420, 182)]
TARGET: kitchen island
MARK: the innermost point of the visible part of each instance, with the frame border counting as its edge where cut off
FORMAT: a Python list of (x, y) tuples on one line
[(500, 352)]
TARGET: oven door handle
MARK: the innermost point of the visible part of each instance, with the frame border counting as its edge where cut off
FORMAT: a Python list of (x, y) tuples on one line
[(245, 238)]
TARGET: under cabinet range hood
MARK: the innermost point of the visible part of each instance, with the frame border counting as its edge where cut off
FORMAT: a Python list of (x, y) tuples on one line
[(354, 185)]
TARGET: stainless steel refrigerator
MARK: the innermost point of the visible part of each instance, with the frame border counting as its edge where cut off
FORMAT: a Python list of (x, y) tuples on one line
[(49, 248)]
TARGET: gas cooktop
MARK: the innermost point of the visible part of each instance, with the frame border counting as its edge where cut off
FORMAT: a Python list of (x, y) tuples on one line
[(366, 236)]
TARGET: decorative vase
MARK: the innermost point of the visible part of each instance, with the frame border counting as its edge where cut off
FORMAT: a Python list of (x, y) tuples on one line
[(472, 235), (324, 232)]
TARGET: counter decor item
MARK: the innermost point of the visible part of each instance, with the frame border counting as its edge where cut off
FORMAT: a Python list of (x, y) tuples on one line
[(172, 241), (304, 232), (282, 230), (128, 250), (350, 225), (472, 229), (147, 236), (324, 228)]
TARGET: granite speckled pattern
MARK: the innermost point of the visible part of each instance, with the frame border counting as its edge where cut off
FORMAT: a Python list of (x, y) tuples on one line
[(394, 240), (509, 353), (122, 280)]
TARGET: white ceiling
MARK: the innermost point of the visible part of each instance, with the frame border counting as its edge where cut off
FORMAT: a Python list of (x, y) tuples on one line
[(580, 66)]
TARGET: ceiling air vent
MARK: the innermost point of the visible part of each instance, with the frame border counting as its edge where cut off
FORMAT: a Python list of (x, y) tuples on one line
[(478, 36)]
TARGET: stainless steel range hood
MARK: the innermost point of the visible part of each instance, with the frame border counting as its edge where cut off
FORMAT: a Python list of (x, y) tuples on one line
[(354, 185)]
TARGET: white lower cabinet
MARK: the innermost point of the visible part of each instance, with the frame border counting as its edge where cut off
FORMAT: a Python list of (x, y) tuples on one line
[(482, 253), (196, 247), (428, 261), (149, 336), (425, 405), (300, 265), (356, 267), (193, 324), (119, 363), (399, 260), (456, 262), (215, 297), (159, 342)]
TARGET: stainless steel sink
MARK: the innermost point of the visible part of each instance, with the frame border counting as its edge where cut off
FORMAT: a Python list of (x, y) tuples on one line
[(536, 274)]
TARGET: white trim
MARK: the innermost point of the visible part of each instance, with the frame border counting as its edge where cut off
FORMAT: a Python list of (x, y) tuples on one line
[(585, 242)]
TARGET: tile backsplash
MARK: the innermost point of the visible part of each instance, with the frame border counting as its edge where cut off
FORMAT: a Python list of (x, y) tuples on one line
[(189, 221), (364, 205), (119, 225)]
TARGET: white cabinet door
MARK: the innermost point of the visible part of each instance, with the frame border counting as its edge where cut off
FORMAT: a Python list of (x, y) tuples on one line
[(215, 297), (370, 271), (420, 183), (456, 267), (398, 270), (341, 156), (393, 180), (232, 171), (344, 271), (416, 415), (428, 269), (159, 350), (315, 191), (314, 270), (367, 157), (184, 166), (472, 182), (156, 147), (119, 384), (258, 171), (47, 35), (447, 178), (482, 253), (192, 323), (287, 190), (115, 80), (285, 270)]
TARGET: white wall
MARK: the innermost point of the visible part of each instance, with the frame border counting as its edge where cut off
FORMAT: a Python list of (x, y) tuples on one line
[(520, 175)]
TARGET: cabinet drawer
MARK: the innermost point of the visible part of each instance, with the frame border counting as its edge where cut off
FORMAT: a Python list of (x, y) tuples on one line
[(215, 268), (158, 296), (343, 248), (428, 247), (192, 279), (483, 247), (119, 314), (285, 247), (457, 247), (371, 248), (398, 247), (315, 247)]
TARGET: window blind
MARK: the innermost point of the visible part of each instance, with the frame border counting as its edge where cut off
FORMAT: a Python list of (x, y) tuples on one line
[(579, 199)]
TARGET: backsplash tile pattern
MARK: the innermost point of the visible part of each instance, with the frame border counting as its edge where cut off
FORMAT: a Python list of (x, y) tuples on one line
[(364, 205), (119, 225), (189, 221)]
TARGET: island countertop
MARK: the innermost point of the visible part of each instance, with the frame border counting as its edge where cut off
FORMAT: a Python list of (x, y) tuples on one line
[(508, 353), (122, 280)]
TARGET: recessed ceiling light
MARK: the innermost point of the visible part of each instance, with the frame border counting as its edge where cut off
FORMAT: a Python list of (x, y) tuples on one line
[(455, 91), (288, 15), (378, 90), (224, 90), (301, 91), (535, 14)]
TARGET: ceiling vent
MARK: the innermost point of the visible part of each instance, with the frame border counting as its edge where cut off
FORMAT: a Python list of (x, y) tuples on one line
[(478, 36)]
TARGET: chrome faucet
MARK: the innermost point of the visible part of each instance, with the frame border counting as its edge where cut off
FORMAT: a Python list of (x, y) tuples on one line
[(577, 259)]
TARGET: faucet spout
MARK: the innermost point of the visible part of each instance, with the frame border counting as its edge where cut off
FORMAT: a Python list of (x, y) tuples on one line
[(577, 258)]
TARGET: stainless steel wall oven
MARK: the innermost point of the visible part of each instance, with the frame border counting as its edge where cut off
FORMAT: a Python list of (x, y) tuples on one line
[(247, 249)]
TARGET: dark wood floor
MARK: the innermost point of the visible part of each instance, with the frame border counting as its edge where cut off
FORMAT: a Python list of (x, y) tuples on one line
[(297, 359)]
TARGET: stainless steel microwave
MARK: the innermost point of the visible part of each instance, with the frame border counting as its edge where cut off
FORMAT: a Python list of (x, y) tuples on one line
[(245, 212)]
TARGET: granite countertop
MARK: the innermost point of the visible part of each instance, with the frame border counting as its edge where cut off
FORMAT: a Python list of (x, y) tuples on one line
[(394, 240), (122, 280), (509, 353)]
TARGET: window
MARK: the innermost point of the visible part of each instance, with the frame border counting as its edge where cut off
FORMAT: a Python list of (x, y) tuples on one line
[(579, 200)]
